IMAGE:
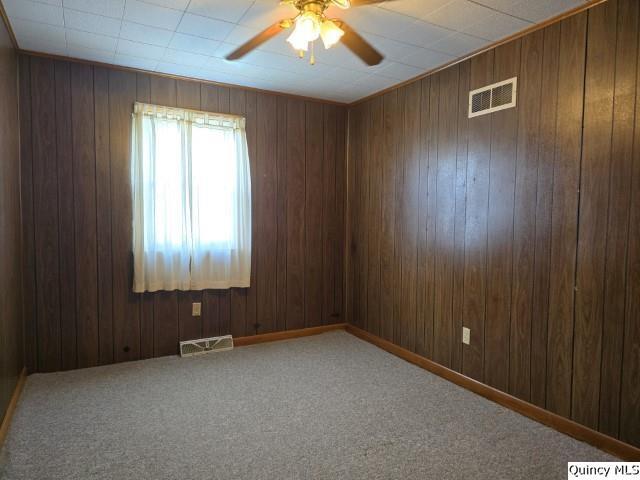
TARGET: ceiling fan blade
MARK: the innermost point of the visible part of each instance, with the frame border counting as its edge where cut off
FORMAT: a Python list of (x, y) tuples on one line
[(358, 45), (361, 3), (259, 39)]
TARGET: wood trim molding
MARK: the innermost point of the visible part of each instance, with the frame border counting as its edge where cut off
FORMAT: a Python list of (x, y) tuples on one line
[(561, 424), (8, 416), (177, 77), (515, 36), (12, 35), (287, 334)]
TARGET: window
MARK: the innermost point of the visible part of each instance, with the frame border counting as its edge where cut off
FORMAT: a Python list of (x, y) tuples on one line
[(191, 200)]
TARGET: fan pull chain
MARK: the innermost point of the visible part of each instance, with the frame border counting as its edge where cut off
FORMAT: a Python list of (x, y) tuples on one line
[(313, 54)]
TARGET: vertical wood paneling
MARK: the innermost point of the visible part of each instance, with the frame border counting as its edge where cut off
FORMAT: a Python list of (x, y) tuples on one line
[(281, 217), (27, 210), (363, 219), (476, 225), (625, 98), (330, 213), (593, 212), (398, 296), (45, 205), (313, 209), (188, 94), (126, 304), (12, 353), (423, 313), (375, 200), (431, 101), (352, 223), (84, 208), (524, 229), (210, 314), (411, 211), (504, 131), (444, 196), (67, 263), (339, 218), (630, 387), (422, 307), (387, 227), (103, 212), (295, 214), (564, 213), (460, 214), (544, 196), (267, 178)]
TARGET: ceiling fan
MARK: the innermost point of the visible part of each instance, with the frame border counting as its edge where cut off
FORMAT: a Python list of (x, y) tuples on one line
[(310, 24)]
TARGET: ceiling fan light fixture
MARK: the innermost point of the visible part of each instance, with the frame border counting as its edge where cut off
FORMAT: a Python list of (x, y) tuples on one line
[(307, 30), (308, 26), (344, 4), (298, 42), (330, 33)]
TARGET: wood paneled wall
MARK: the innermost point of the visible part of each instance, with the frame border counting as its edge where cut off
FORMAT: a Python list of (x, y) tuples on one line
[(80, 310), (522, 225), (11, 325)]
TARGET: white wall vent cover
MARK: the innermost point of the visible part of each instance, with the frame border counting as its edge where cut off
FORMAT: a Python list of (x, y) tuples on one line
[(492, 98), (190, 348)]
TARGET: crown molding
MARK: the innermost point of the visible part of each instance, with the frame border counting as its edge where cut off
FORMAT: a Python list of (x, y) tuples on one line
[(5, 19)]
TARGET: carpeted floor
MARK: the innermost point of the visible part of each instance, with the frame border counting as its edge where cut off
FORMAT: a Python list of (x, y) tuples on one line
[(329, 406)]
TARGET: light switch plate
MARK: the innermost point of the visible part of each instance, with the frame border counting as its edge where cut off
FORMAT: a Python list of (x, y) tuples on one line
[(466, 336), (196, 309)]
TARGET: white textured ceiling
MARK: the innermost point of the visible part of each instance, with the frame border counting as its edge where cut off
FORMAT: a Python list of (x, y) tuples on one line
[(191, 37)]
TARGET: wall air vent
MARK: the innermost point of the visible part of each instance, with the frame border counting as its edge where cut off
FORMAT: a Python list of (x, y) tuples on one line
[(492, 98), (190, 348)]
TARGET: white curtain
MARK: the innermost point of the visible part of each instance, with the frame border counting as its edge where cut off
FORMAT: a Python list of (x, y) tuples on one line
[(191, 200)]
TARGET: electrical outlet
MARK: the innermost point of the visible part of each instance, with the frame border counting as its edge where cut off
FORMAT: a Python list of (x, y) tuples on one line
[(466, 336), (196, 309)]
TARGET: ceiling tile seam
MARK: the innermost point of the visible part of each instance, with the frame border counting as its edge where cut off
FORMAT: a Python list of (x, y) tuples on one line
[(162, 6), (382, 7), (124, 7), (64, 24), (186, 10), (241, 17), (496, 10), (164, 53), (66, 27), (453, 32)]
